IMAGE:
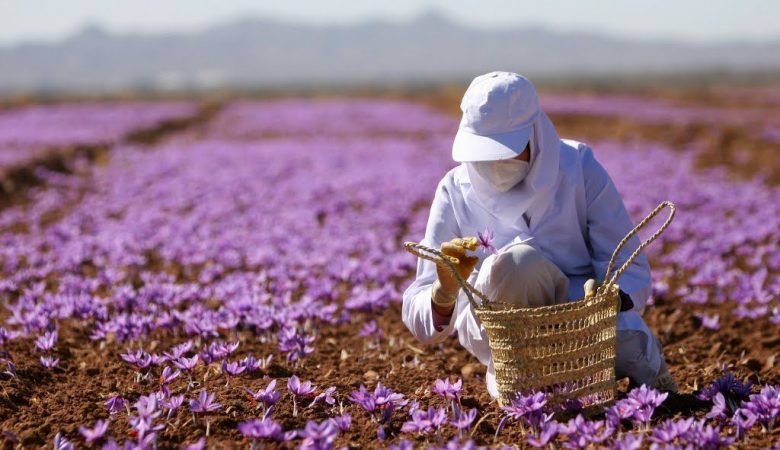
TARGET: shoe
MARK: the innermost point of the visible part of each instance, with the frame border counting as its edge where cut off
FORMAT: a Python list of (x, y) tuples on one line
[(664, 381)]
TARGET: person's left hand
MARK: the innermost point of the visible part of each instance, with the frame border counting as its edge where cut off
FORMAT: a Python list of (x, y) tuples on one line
[(591, 286)]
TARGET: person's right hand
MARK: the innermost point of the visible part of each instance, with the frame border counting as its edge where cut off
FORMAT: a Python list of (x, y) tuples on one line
[(457, 247)]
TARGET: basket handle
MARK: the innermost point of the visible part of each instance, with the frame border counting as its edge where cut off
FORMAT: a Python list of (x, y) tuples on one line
[(622, 243), (431, 254)]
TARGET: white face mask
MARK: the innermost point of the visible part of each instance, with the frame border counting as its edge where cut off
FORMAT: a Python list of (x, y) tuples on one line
[(502, 174)]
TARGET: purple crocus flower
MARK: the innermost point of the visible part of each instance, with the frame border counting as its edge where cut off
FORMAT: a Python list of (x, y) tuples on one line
[(719, 408), (527, 407), (647, 400), (96, 432), (268, 396), (250, 363), (486, 240), (62, 443), (326, 395), (186, 364), (711, 322), (200, 444), (140, 359), (464, 419), (425, 421), (47, 341), (668, 431), (765, 405), (173, 403), (629, 441), (447, 389), (543, 436), (733, 390), (168, 375), (232, 368), (370, 328), (204, 403), (318, 436), (342, 422), (582, 433), (49, 362), (115, 404), (261, 429), (744, 420), (299, 389), (296, 345), (178, 351)]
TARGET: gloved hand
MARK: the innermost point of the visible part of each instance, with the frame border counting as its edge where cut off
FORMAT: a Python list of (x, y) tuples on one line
[(591, 286), (446, 287)]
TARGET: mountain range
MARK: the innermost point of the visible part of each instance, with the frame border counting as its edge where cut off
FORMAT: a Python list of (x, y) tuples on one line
[(264, 53)]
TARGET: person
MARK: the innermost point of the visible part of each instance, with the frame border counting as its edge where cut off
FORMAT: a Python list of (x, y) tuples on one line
[(555, 217)]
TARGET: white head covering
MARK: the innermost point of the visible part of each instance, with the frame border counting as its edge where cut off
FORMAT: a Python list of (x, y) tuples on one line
[(535, 190)]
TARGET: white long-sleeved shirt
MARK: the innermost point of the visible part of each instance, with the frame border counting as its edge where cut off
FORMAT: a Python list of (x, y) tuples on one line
[(577, 230)]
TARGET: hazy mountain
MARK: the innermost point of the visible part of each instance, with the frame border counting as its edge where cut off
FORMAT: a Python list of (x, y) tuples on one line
[(268, 53)]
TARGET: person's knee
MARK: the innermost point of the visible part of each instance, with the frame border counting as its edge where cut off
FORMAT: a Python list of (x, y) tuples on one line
[(523, 276), (521, 259)]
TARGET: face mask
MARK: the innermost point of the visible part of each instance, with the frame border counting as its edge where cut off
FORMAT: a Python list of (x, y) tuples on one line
[(502, 174)]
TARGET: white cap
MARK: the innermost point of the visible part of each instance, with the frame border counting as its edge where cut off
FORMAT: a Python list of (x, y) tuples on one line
[(499, 109)]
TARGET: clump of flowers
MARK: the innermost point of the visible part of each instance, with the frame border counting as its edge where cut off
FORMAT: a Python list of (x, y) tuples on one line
[(295, 344), (255, 430), (380, 404)]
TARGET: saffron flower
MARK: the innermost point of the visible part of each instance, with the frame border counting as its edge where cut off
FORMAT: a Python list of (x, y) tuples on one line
[(326, 396), (711, 322), (268, 396), (49, 362), (62, 443), (342, 422), (185, 364), (425, 421), (299, 389), (204, 403), (447, 389), (95, 433), (542, 437), (168, 375), (46, 342), (261, 429), (232, 369), (464, 419), (486, 240), (115, 404), (318, 436)]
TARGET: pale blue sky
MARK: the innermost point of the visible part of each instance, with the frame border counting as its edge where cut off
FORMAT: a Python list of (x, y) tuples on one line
[(699, 21)]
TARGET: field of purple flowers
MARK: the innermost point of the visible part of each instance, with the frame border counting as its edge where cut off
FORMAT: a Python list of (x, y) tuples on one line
[(238, 284)]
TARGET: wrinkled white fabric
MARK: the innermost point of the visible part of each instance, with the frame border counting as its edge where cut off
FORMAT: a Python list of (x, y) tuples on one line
[(570, 207), (520, 275)]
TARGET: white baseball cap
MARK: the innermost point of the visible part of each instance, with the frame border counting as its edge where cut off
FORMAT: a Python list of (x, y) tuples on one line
[(499, 110)]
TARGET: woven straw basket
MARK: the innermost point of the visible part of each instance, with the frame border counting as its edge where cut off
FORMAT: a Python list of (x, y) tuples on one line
[(566, 350)]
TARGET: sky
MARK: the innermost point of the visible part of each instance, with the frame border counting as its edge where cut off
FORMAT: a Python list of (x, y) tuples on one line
[(687, 20)]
